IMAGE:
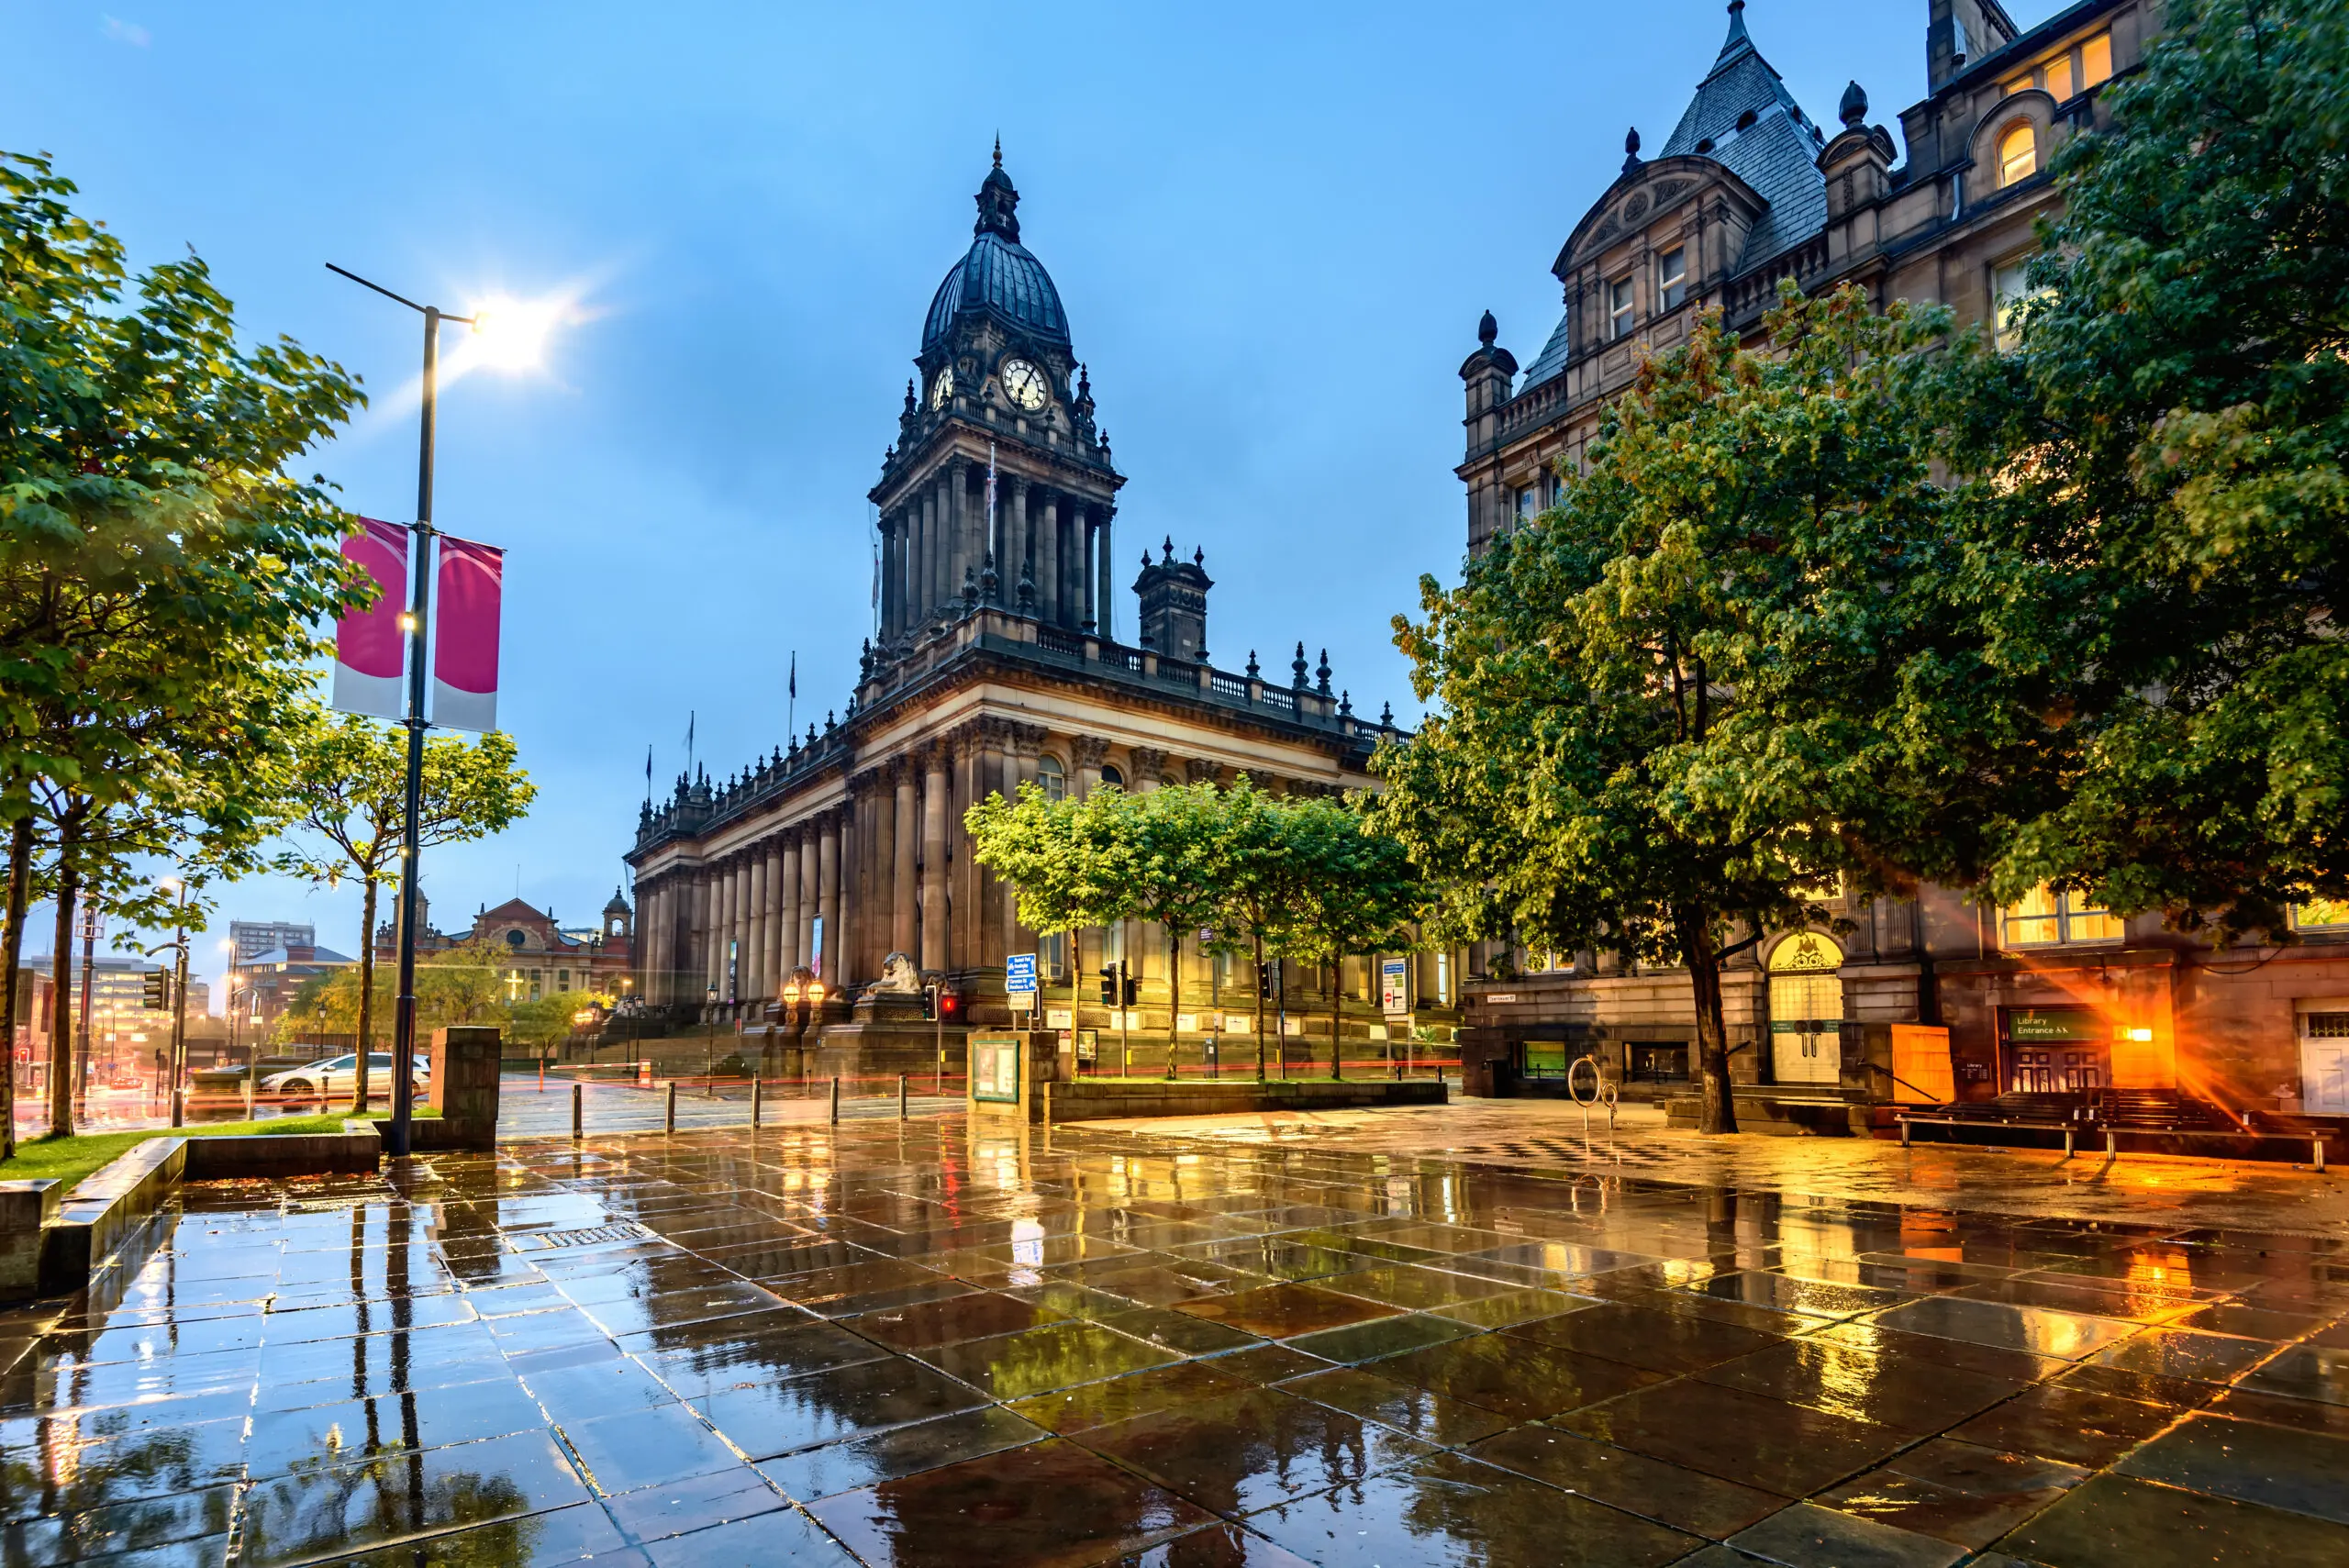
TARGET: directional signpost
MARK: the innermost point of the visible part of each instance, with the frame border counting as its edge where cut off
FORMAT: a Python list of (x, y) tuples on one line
[(1020, 980)]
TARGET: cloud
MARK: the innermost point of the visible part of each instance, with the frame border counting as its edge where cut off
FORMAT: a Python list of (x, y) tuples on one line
[(121, 31)]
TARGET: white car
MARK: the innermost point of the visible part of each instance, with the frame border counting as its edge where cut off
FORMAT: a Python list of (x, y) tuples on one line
[(339, 1074)]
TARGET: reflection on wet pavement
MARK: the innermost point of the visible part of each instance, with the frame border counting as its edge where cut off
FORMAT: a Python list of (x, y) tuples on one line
[(929, 1343)]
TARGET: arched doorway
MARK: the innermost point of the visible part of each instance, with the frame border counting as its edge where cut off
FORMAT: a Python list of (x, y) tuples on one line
[(1805, 1008)]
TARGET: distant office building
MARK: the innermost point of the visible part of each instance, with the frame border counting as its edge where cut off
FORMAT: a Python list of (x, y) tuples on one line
[(253, 938)]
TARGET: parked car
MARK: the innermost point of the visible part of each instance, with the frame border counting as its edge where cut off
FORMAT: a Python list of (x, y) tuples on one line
[(339, 1074)]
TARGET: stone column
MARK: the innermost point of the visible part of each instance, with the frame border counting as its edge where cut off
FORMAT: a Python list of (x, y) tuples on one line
[(852, 935), (888, 576), (1103, 559), (876, 892), (1088, 578), (1085, 753), (1149, 764), (958, 553), (905, 856), (990, 748), (788, 947), (713, 927), (1025, 746), (754, 984), (922, 578), (1048, 561), (1012, 548), (933, 858), (810, 890), (829, 894), (771, 950), (729, 984)]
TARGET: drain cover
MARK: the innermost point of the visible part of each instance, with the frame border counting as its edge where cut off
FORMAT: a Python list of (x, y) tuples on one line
[(594, 1235)]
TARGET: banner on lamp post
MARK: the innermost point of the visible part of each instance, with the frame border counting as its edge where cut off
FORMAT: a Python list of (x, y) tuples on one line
[(464, 635), (369, 647)]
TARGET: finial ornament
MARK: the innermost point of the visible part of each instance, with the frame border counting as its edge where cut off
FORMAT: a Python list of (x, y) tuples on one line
[(1632, 150), (998, 136), (1488, 331), (1855, 106)]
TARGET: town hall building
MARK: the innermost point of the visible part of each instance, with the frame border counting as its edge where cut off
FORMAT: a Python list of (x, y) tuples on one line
[(999, 664)]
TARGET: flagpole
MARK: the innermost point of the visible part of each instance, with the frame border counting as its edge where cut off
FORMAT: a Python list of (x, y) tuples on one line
[(412, 827)]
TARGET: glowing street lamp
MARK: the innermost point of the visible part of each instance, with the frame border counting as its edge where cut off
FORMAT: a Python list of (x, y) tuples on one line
[(508, 336)]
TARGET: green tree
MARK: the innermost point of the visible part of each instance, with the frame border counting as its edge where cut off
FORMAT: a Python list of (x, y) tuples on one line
[(1348, 888), (348, 792), (163, 573), (1257, 889), (1661, 708), (2154, 490)]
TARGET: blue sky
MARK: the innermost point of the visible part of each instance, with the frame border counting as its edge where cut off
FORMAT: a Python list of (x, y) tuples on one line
[(1274, 228)]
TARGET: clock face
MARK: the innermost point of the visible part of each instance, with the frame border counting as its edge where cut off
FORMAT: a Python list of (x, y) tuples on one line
[(941, 391), (1025, 384)]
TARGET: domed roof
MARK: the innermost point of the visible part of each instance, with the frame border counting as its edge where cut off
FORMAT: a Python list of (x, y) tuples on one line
[(998, 275)]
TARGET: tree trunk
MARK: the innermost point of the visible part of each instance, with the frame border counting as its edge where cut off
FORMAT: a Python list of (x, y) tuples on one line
[(1694, 932), (1259, 941), (12, 947), (1337, 1016), (1173, 994), (366, 993), (61, 1032)]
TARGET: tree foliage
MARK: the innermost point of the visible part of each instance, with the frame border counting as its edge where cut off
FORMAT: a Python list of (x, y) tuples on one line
[(347, 791), (2154, 486), (164, 571), (1661, 708)]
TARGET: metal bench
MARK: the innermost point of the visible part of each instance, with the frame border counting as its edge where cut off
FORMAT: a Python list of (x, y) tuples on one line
[(2071, 1132)]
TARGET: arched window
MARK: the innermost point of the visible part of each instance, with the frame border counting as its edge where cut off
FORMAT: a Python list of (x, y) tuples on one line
[(1052, 778), (2018, 154), (1110, 775)]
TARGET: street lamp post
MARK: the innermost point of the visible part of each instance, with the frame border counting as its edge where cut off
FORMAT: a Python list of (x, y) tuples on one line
[(178, 1054), (412, 826)]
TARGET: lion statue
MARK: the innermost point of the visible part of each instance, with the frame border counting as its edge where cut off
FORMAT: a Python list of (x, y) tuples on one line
[(898, 976)]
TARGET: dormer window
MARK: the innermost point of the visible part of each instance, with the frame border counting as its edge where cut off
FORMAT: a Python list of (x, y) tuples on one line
[(1746, 120), (1672, 278), (1618, 309), (2069, 74), (2018, 154)]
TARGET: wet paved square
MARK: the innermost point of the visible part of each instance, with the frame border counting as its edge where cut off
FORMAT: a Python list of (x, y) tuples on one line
[(927, 1342)]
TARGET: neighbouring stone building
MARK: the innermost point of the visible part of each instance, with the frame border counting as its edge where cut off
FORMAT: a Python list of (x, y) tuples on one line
[(1746, 190), (1000, 662), (535, 955)]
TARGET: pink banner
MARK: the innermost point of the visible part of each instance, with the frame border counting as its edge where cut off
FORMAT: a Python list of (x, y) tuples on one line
[(464, 635), (368, 644)]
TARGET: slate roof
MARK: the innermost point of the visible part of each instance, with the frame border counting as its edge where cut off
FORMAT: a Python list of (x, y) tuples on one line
[(1777, 155), (999, 275)]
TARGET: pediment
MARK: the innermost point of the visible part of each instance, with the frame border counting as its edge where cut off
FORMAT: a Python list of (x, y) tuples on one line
[(1645, 193)]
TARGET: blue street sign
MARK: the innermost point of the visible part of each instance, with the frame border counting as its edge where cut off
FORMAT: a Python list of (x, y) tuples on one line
[(1020, 974)]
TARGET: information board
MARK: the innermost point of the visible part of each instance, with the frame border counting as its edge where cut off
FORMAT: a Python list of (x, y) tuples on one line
[(995, 1068)]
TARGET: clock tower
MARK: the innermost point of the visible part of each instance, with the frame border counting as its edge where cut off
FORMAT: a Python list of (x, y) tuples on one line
[(1000, 490)]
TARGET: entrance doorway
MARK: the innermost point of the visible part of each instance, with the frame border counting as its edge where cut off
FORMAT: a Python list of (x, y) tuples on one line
[(1805, 1011), (2324, 1062), (2056, 1050)]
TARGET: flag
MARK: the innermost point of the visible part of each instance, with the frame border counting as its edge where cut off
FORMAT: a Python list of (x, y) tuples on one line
[(369, 644), (792, 688), (648, 772), (464, 635)]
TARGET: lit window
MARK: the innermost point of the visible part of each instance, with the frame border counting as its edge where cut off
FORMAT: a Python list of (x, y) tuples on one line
[(2018, 155), (2321, 914), (2019, 84), (1671, 277), (2010, 290), (2059, 78), (2049, 919), (2096, 60), (1619, 308)]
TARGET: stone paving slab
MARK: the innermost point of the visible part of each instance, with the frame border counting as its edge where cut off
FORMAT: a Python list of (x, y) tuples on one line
[(932, 1342)]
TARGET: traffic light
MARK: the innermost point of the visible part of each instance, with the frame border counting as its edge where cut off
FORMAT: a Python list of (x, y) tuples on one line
[(929, 1004), (1109, 984), (1132, 987), (950, 1006), (1264, 986), (158, 996)]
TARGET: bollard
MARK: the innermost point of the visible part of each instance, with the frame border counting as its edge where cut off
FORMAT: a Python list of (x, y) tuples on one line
[(671, 1097), (2112, 1144), (2069, 1133), (901, 1104), (2320, 1152), (836, 1096), (758, 1093), (542, 1074), (576, 1088)]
